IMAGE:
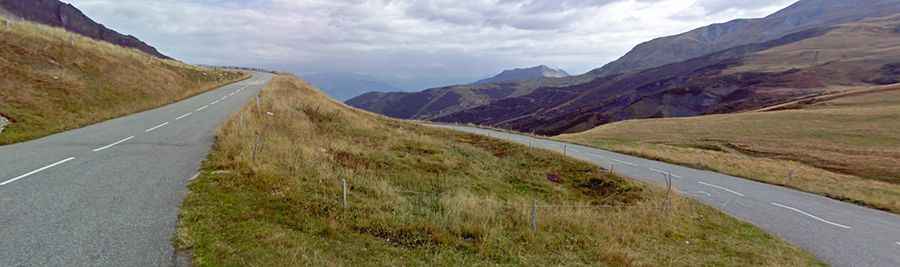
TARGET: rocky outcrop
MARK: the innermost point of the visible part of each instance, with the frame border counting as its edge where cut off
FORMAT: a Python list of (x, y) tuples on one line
[(3, 123), (803, 15), (63, 15)]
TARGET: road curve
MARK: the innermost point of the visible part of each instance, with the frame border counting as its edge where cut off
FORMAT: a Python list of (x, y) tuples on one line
[(109, 194), (838, 233)]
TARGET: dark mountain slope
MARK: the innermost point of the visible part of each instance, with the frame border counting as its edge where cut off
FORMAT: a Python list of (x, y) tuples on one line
[(751, 76), (437, 102), (803, 15), (58, 14)]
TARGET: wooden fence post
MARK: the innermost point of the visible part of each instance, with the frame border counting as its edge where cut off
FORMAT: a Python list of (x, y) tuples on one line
[(344, 190), (534, 215)]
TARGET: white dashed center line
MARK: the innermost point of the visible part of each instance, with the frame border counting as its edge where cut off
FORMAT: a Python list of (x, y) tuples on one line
[(183, 116), (202, 108), (810, 215), (722, 188), (113, 144), (37, 171), (665, 173), (215, 102), (624, 162), (156, 127)]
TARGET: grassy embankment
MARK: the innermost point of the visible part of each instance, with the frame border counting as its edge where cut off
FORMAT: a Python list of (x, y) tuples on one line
[(427, 196), (53, 81), (846, 148)]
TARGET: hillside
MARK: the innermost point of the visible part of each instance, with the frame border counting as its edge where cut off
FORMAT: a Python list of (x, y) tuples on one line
[(55, 80), (58, 14), (524, 74), (845, 146), (801, 16), (748, 77), (270, 194)]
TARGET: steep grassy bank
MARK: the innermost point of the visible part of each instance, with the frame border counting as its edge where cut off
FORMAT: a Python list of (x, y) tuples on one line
[(270, 195), (53, 80), (846, 148)]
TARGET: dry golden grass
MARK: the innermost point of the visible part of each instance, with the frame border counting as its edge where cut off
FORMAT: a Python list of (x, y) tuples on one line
[(846, 148), (427, 196), (54, 81)]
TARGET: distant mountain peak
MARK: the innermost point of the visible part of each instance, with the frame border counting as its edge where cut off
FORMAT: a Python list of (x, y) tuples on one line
[(521, 74)]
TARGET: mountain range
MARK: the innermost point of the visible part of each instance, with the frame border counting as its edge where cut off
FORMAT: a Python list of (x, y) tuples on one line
[(809, 48), (63, 15), (437, 102), (343, 86)]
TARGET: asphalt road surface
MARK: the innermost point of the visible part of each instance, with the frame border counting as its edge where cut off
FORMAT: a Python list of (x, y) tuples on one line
[(838, 233), (109, 194)]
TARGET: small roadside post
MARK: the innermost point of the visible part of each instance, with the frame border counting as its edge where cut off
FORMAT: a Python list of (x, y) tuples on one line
[(344, 190), (534, 215)]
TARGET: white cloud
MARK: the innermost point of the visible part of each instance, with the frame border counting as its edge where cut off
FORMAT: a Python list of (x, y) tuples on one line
[(437, 41)]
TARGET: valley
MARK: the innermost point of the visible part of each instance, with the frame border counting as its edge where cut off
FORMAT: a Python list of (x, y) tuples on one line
[(772, 140)]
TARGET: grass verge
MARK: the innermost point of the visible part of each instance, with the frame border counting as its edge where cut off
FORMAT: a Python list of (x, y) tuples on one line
[(55, 81), (846, 148), (270, 195)]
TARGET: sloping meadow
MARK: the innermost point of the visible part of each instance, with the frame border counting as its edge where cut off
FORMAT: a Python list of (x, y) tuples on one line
[(272, 194), (53, 80)]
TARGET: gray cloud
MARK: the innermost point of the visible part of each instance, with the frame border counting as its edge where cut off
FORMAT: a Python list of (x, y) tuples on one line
[(413, 42)]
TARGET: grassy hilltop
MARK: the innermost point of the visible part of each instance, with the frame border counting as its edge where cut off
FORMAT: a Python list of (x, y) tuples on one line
[(270, 195)]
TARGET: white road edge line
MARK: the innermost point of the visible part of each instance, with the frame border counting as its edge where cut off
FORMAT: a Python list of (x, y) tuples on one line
[(194, 177), (113, 144), (704, 193), (37, 171), (898, 243), (184, 116), (811, 216), (202, 108), (156, 127), (624, 162), (722, 188)]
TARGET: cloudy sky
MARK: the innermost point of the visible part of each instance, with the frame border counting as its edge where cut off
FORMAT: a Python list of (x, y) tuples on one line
[(412, 43)]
